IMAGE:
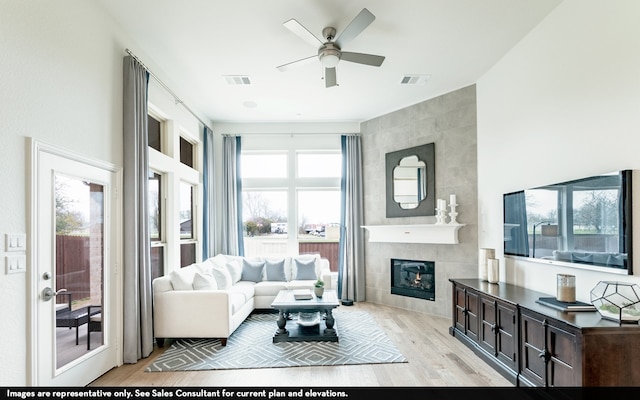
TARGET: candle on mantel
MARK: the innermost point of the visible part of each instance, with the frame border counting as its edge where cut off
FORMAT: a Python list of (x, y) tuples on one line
[(452, 199)]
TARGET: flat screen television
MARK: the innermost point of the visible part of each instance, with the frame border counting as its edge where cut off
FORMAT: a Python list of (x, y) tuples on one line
[(584, 223)]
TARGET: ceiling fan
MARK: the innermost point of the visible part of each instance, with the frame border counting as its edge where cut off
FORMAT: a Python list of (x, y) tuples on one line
[(330, 51)]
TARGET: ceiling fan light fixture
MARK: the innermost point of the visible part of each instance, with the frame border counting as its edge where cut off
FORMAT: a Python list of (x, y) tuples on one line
[(329, 55), (330, 60)]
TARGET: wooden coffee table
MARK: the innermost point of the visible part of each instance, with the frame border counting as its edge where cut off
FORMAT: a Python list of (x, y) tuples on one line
[(289, 330)]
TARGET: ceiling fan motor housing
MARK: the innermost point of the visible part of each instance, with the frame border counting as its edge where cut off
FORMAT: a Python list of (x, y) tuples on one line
[(329, 33)]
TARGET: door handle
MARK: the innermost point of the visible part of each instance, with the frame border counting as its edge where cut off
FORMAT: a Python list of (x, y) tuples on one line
[(48, 293)]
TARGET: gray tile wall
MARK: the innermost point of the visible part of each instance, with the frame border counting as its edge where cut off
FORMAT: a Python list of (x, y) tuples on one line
[(449, 121)]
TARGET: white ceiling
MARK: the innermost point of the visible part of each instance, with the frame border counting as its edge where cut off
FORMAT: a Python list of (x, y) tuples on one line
[(190, 45)]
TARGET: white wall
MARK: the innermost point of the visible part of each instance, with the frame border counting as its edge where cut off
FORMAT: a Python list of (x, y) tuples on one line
[(60, 83), (563, 104)]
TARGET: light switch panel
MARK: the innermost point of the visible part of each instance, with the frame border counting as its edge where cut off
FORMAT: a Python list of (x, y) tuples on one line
[(15, 263), (16, 241)]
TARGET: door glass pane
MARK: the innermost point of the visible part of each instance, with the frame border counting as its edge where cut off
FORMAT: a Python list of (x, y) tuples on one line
[(264, 221), (79, 263)]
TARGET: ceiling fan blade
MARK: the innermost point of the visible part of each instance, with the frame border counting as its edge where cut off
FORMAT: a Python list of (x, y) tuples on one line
[(330, 77), (357, 25), (302, 32), (361, 58), (297, 63)]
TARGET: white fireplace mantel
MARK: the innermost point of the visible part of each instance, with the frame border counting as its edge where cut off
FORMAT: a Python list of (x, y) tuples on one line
[(419, 233)]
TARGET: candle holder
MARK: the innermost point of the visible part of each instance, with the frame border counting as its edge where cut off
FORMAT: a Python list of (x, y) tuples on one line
[(441, 216), (453, 214)]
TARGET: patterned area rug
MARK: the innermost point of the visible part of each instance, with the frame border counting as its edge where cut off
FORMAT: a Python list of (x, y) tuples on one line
[(361, 341)]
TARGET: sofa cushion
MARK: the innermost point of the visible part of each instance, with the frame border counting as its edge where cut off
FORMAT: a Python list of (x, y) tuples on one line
[(275, 270), (204, 282), (293, 285), (269, 288), (246, 288), (182, 279), (236, 300), (305, 269), (252, 270)]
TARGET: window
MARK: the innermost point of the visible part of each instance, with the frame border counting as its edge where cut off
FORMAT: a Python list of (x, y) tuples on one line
[(174, 189), (186, 152), (154, 133), (291, 196), (156, 224), (264, 165), (187, 244)]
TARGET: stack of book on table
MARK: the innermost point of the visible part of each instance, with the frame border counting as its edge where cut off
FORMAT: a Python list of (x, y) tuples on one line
[(302, 294), (565, 306)]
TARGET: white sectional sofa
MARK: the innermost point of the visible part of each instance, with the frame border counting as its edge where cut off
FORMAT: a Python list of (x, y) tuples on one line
[(212, 298)]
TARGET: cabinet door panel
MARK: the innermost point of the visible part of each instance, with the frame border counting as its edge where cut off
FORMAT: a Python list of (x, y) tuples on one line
[(561, 345), (532, 365), (460, 307), (506, 345), (472, 315), (488, 324)]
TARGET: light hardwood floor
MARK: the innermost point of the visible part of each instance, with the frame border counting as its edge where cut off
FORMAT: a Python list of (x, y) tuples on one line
[(435, 359)]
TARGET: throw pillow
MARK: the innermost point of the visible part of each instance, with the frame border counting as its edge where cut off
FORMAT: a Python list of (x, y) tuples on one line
[(204, 282), (252, 270), (306, 269), (275, 270), (181, 279), (235, 268), (222, 277)]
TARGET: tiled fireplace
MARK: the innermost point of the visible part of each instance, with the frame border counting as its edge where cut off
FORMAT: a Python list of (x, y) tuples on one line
[(413, 278)]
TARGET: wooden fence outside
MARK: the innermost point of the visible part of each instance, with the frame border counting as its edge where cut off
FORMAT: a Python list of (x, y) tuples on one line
[(73, 266)]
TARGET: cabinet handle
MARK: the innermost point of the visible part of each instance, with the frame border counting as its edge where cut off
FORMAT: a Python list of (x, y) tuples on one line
[(494, 328), (544, 355), (464, 310)]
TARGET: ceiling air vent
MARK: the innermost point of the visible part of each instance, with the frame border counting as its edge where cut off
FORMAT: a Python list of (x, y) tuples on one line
[(414, 79), (237, 80)]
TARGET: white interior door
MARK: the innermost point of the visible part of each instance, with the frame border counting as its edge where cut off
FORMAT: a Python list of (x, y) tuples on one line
[(75, 257)]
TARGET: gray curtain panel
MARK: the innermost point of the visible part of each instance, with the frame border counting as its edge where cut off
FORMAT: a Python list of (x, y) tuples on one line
[(351, 273), (208, 212), (138, 323), (231, 214)]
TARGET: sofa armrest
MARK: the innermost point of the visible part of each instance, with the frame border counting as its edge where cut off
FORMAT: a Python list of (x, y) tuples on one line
[(330, 279), (195, 312)]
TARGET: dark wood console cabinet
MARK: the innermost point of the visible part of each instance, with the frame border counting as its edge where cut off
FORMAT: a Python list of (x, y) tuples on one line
[(534, 345)]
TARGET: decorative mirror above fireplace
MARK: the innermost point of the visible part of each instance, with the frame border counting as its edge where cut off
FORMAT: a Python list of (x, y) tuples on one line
[(410, 181)]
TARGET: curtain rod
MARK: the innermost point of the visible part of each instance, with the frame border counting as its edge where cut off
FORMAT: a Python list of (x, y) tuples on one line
[(175, 97)]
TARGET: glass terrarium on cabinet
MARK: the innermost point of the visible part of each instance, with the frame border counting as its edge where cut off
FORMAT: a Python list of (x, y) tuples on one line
[(617, 301)]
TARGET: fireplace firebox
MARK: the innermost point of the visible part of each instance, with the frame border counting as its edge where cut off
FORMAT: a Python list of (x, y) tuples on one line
[(413, 278)]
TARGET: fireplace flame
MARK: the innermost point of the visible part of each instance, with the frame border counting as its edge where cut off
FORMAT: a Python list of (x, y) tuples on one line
[(418, 279)]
